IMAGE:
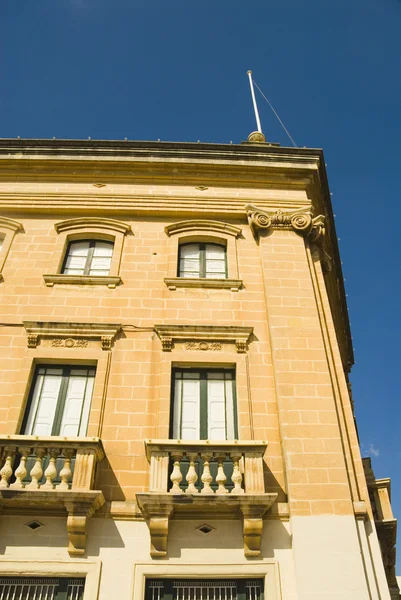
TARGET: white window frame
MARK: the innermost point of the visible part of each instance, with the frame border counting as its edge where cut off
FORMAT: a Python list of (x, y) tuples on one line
[(90, 570)]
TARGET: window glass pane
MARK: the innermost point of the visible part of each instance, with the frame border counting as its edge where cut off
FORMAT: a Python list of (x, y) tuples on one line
[(190, 409), (101, 260), (215, 252), (103, 249), (76, 398), (190, 251), (76, 259), (79, 248), (216, 408), (215, 262), (230, 421), (100, 265), (189, 261), (44, 403)]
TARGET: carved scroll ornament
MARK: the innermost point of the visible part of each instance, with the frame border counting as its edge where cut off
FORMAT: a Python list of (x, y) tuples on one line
[(301, 221)]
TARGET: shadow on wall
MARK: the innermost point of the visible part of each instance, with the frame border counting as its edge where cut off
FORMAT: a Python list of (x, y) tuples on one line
[(107, 481), (52, 533), (225, 535), (272, 485)]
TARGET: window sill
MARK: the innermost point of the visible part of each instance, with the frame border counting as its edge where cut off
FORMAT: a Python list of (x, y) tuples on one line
[(175, 282), (111, 282)]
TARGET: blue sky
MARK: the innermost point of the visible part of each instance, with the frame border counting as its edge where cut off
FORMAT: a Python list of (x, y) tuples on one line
[(176, 70)]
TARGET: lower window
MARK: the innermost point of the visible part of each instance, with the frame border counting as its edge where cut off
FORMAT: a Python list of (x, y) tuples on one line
[(41, 588), (204, 589)]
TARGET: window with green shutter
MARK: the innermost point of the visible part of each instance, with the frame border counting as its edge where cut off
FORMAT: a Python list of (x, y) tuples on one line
[(204, 405), (60, 400)]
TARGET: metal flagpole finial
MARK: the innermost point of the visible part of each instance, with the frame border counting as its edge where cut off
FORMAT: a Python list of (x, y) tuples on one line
[(255, 136)]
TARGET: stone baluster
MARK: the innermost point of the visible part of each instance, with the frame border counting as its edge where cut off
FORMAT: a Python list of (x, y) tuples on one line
[(66, 473), (221, 476), (21, 472), (206, 477), (7, 469), (176, 475), (51, 471), (192, 477), (236, 477), (36, 471)]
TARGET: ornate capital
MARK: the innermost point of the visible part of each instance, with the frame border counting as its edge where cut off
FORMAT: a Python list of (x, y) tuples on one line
[(301, 221)]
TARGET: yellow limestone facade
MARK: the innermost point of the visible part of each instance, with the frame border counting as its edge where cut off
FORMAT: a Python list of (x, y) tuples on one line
[(282, 496)]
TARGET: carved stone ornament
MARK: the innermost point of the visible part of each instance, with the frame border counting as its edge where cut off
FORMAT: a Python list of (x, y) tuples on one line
[(301, 221), (70, 343), (71, 335), (203, 337), (204, 346)]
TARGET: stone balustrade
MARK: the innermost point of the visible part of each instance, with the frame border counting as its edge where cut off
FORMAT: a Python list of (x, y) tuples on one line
[(206, 467), (48, 463), (202, 480), (50, 476)]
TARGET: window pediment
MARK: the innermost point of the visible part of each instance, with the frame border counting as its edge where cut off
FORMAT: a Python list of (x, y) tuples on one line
[(95, 223), (169, 334), (10, 224), (203, 225)]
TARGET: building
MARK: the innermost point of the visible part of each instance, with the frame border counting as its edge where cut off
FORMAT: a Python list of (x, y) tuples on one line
[(176, 420)]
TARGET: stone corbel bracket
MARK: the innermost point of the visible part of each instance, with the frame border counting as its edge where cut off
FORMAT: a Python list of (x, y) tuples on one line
[(169, 334), (301, 221), (79, 511), (70, 335), (159, 508)]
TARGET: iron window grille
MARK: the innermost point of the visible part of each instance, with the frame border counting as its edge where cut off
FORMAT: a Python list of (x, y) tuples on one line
[(35, 588), (202, 260), (88, 257), (204, 589)]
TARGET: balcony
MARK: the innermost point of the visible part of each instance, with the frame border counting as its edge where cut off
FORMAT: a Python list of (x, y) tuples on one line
[(52, 476), (204, 479)]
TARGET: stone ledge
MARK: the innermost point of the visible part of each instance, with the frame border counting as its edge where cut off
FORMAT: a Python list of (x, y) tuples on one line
[(185, 282), (111, 282)]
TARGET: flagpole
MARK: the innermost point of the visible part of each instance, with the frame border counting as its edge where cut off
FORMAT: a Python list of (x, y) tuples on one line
[(255, 106)]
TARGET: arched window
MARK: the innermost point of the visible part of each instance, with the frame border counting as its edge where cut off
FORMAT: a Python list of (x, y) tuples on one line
[(88, 257), (202, 260)]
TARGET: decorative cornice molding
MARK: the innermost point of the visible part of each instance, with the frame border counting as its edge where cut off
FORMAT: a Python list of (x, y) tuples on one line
[(203, 224), (106, 332), (98, 223), (10, 224), (210, 333)]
